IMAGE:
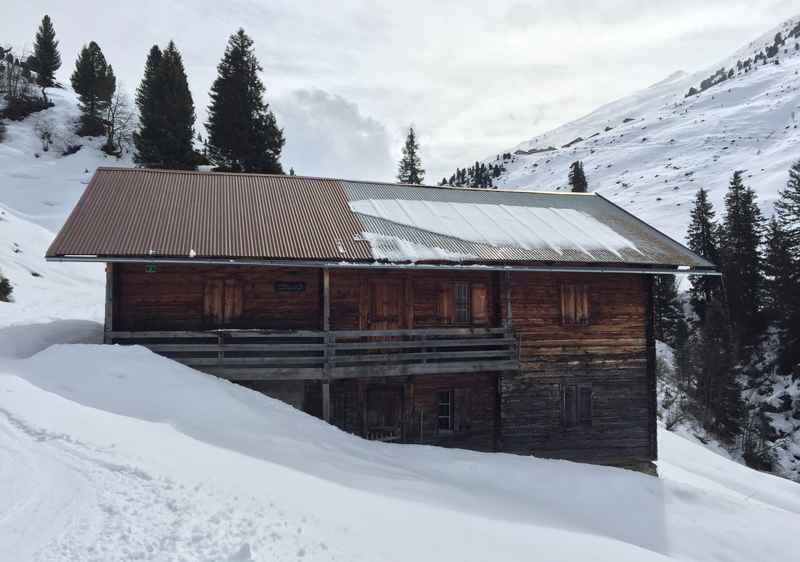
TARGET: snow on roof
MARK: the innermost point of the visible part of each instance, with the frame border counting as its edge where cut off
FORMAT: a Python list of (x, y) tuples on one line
[(501, 226), (150, 215)]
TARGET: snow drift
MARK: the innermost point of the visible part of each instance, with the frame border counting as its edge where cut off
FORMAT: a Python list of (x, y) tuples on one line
[(110, 453)]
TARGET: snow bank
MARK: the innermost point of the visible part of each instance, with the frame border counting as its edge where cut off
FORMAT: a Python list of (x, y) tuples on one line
[(138, 456)]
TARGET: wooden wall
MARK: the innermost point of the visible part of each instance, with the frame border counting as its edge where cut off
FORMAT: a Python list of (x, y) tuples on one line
[(612, 353), (172, 296)]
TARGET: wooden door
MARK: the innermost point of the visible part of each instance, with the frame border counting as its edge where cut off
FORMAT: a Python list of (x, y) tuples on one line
[(386, 299), (222, 302), (384, 413)]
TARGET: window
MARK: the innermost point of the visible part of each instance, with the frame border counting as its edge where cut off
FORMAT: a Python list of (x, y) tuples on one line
[(576, 405), (222, 302), (444, 412), (464, 303), (461, 302), (574, 305)]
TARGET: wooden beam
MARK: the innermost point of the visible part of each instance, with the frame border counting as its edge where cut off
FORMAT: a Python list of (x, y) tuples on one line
[(108, 325), (507, 320), (652, 399), (326, 327)]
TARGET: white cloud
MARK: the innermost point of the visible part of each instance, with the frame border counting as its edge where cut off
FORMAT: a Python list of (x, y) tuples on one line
[(326, 135), (475, 77)]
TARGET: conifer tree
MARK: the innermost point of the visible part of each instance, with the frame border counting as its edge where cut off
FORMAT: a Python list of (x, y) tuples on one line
[(703, 240), (146, 139), (93, 80), (787, 209), (682, 357), (668, 312), (716, 389), (46, 58), (576, 177), (243, 135), (166, 109), (410, 168), (740, 250), (5, 289), (782, 278)]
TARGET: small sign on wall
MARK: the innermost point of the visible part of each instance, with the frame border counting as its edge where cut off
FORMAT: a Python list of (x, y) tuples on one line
[(290, 286), (150, 268)]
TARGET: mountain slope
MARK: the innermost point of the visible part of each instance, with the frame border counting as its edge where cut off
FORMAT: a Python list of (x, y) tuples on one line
[(651, 151)]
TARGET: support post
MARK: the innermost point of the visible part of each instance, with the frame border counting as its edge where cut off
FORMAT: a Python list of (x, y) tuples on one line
[(108, 324), (507, 288), (326, 327)]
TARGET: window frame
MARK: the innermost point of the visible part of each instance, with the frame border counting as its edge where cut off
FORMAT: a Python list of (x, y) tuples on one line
[(463, 307), (450, 404), (575, 411)]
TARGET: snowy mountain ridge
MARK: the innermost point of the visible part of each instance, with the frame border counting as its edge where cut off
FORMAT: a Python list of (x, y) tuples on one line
[(652, 150)]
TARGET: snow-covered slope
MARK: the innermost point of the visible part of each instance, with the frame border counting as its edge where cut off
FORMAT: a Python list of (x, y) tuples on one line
[(38, 189), (111, 453), (651, 151)]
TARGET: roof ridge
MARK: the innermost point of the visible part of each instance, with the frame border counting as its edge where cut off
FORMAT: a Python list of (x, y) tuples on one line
[(323, 178)]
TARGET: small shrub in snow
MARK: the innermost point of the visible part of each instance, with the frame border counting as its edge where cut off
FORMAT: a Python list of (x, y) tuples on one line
[(5, 289)]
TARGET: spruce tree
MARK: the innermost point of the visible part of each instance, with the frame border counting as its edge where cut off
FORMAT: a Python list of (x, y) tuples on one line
[(782, 278), (93, 80), (682, 356), (243, 135), (148, 94), (576, 177), (703, 240), (166, 109), (787, 209), (46, 58), (410, 168), (5, 289), (740, 250), (668, 312), (716, 390)]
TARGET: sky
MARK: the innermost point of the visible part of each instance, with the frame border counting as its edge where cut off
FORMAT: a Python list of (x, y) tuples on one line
[(347, 78)]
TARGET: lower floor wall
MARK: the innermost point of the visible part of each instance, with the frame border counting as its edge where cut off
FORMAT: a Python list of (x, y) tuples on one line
[(601, 415)]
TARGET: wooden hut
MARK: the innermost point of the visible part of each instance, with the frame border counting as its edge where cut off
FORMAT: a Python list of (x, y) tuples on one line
[(477, 318)]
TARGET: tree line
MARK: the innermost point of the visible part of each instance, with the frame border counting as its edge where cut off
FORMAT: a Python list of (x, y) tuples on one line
[(729, 317)]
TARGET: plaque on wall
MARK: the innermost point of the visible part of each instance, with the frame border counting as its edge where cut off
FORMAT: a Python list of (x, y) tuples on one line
[(290, 286)]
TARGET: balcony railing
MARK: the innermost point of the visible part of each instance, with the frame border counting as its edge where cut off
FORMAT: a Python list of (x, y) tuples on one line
[(308, 355)]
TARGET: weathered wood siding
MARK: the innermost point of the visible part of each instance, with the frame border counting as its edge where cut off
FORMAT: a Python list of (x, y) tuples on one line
[(172, 297), (477, 408), (610, 353)]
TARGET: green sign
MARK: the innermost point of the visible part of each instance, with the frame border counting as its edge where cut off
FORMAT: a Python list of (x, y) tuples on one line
[(150, 268)]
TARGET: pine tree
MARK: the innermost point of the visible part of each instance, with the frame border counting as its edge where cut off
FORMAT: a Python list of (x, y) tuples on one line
[(5, 289), (166, 113), (681, 357), (243, 135), (740, 250), (46, 58), (148, 94), (782, 278), (703, 240), (93, 80), (716, 389), (668, 312), (787, 209), (410, 168), (576, 177)]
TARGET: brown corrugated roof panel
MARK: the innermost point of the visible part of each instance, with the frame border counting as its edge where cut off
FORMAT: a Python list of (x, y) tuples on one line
[(161, 214)]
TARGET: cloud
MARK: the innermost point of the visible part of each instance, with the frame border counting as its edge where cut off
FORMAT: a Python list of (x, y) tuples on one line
[(327, 135)]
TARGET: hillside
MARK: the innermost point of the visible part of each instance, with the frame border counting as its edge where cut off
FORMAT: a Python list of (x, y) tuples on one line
[(651, 151), (118, 454)]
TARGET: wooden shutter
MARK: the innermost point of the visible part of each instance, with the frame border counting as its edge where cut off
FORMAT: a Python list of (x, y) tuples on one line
[(462, 410), (444, 304), (585, 403), (479, 300), (233, 301), (213, 302), (574, 305), (569, 415)]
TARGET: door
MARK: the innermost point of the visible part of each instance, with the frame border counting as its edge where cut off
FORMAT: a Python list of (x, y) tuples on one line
[(385, 304), (222, 302), (384, 413)]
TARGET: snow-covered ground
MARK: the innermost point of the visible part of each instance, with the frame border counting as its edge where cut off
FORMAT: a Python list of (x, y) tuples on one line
[(111, 453), (651, 151)]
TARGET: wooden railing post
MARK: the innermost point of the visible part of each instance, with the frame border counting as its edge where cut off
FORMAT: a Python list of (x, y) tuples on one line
[(221, 348)]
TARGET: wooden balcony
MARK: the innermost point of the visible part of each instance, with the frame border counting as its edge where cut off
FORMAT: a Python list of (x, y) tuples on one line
[(321, 355)]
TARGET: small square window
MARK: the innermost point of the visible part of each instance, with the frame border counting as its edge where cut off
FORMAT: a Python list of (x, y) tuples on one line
[(444, 412)]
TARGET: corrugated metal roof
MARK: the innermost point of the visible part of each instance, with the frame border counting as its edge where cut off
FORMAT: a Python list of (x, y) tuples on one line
[(511, 226), (156, 214)]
